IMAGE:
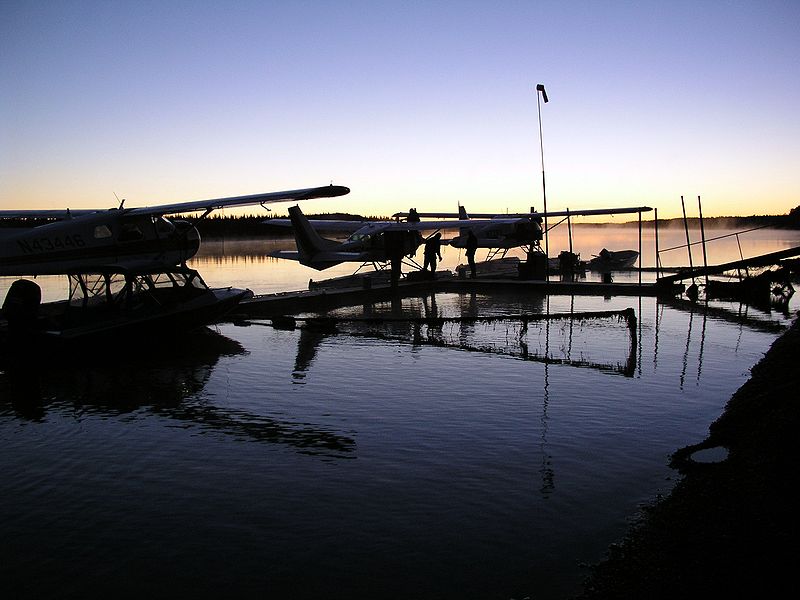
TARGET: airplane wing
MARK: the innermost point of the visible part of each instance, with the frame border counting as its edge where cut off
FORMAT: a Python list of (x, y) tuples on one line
[(428, 225), (552, 213), (57, 213), (328, 191), (374, 226), (581, 213)]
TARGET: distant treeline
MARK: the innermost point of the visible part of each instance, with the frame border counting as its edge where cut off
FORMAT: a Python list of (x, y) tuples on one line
[(790, 221), (218, 226), (249, 226), (221, 226)]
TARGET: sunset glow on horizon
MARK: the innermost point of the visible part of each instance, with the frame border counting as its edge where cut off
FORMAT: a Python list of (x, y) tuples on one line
[(428, 105)]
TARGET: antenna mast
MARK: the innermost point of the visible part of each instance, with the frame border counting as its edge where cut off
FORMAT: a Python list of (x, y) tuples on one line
[(543, 95)]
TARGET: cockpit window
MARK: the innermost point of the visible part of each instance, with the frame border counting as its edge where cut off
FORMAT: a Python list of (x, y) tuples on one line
[(130, 232), (102, 232)]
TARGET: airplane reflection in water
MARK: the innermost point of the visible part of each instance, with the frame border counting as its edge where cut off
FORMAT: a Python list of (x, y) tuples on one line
[(168, 383)]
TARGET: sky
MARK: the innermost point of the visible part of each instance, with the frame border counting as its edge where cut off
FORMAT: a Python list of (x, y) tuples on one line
[(410, 104)]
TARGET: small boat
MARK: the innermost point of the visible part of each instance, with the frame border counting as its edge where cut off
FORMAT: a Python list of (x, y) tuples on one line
[(608, 260), (105, 310)]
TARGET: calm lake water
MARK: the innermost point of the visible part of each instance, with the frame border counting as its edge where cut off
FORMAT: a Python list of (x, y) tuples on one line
[(250, 461)]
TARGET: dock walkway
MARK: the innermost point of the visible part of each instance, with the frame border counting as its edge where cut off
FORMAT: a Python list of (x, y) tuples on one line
[(294, 302), (763, 260)]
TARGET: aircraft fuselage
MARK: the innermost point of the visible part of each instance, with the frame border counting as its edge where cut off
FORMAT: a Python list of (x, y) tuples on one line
[(111, 238)]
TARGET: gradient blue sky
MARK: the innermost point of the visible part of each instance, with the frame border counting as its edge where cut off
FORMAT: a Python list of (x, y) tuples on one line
[(422, 104)]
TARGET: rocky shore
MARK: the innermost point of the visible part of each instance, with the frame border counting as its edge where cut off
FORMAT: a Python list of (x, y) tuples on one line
[(729, 528)]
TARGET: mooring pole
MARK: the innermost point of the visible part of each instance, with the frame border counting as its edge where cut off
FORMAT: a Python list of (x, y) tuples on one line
[(640, 256), (702, 236), (540, 88), (658, 257), (569, 229), (741, 256), (686, 228)]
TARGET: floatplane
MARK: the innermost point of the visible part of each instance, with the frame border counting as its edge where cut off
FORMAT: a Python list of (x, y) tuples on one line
[(501, 232), (126, 269), (380, 242), (392, 242), (374, 241)]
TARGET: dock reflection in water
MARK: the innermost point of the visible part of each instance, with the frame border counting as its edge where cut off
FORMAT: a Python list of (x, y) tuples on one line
[(509, 336)]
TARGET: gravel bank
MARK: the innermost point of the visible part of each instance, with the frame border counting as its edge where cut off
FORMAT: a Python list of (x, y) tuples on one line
[(728, 527)]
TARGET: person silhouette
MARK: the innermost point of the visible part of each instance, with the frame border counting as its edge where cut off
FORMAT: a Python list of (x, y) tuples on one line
[(433, 249), (394, 247), (471, 246)]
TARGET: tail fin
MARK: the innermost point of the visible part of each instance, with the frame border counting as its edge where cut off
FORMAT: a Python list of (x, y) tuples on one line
[(462, 213), (309, 242)]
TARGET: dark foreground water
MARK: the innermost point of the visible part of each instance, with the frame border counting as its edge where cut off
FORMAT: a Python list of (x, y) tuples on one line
[(254, 462)]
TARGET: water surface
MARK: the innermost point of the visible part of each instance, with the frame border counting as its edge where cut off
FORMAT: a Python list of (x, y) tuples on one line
[(250, 460)]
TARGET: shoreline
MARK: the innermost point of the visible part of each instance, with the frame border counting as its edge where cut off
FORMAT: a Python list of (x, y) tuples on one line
[(727, 527)]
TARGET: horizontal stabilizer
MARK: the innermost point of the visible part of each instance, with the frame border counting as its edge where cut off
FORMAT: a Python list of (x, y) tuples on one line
[(286, 254)]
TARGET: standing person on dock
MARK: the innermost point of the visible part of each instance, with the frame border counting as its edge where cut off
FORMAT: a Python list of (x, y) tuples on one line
[(471, 246), (393, 244), (433, 249)]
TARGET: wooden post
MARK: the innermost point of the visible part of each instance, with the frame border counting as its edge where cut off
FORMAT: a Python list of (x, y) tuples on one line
[(569, 229), (640, 255), (686, 228), (741, 256), (702, 235), (658, 258)]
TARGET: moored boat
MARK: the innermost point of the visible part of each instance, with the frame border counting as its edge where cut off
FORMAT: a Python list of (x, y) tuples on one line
[(610, 260)]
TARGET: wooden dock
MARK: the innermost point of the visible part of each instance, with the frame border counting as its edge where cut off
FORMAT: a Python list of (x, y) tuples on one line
[(288, 303), (763, 260)]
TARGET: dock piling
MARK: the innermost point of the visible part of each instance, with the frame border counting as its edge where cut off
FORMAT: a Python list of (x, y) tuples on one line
[(686, 229), (702, 235)]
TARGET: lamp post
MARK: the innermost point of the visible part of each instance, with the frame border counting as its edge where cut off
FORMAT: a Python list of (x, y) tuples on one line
[(539, 97)]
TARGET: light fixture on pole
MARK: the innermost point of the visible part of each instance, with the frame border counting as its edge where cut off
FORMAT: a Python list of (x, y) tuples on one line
[(543, 95)]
